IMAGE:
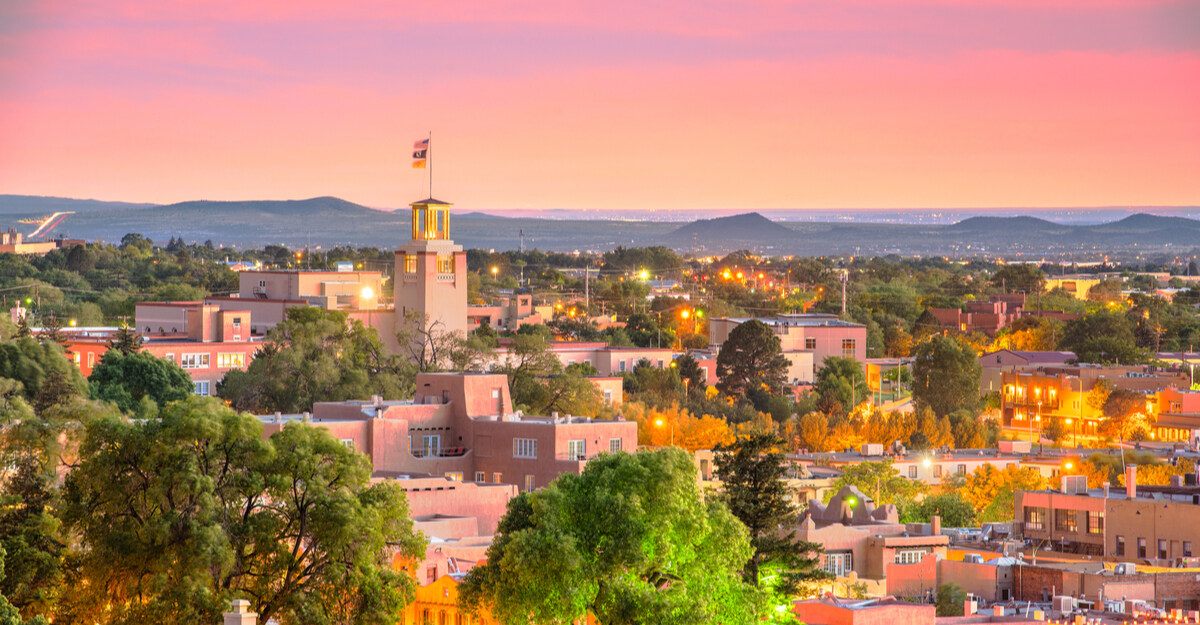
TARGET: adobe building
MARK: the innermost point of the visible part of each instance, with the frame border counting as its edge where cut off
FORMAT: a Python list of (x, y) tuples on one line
[(806, 339), (994, 364), (204, 340), (463, 426), (866, 543), (1157, 525)]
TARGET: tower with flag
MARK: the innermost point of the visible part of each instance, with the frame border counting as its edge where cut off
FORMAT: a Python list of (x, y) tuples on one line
[(430, 275)]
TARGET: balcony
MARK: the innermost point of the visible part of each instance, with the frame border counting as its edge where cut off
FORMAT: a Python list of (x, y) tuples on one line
[(448, 452)]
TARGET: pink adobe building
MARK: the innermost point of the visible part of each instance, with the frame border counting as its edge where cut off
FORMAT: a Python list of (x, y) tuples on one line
[(830, 610), (806, 339), (204, 340), (463, 426), (508, 312)]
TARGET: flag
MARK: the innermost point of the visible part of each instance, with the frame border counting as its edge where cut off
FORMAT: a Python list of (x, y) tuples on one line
[(419, 164), (419, 153), (421, 145)]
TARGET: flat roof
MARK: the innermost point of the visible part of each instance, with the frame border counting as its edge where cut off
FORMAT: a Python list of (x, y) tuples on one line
[(806, 320)]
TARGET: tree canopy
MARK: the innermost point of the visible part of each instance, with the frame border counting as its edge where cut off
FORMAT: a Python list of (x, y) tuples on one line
[(945, 373), (751, 356), (176, 516), (630, 540), (316, 355), (126, 378)]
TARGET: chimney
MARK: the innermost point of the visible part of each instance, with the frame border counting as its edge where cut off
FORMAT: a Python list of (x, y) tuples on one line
[(970, 606), (308, 417), (935, 525), (1106, 486), (1131, 481), (241, 614)]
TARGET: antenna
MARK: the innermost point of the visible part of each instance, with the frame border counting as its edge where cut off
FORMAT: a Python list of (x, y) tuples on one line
[(522, 247)]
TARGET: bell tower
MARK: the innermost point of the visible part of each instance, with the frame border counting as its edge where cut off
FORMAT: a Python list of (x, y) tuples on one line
[(431, 271)]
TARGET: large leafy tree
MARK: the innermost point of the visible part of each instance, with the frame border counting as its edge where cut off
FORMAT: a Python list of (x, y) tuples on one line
[(945, 373), (841, 385), (752, 471), (990, 490), (175, 516), (1124, 415), (316, 355), (1019, 279), (630, 540), (125, 379), (32, 363), (881, 481), (1103, 336), (751, 356), (954, 510)]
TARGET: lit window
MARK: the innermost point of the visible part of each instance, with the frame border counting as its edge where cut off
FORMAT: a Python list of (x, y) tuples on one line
[(1095, 522), (231, 361), (1035, 518), (410, 263), (848, 350), (194, 361), (528, 483), (454, 475)]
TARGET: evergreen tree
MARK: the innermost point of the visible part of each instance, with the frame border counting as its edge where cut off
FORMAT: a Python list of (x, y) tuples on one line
[(750, 357), (752, 472), (23, 327), (52, 330), (126, 340)]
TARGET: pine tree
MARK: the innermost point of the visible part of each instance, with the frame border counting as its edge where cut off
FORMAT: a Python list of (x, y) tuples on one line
[(752, 471), (52, 330), (126, 340), (23, 327)]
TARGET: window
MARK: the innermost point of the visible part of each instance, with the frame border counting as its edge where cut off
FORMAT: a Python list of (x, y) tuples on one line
[(348, 442), (660, 364), (479, 476), (848, 348), (431, 576), (495, 393), (1162, 549), (621, 366), (193, 361), (1141, 547), (576, 449), (201, 388), (1066, 520), (525, 448), (962, 469), (910, 556), (445, 264), (231, 361), (262, 283), (614, 445), (937, 470), (237, 322), (608, 395), (528, 483), (170, 357), (1035, 518), (410, 263), (454, 475), (431, 445), (912, 472), (1187, 548), (496, 477), (1095, 522), (91, 359), (1120, 545), (810, 343), (839, 563)]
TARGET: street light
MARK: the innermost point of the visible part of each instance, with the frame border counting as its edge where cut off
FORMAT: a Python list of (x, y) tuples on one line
[(659, 423), (495, 270)]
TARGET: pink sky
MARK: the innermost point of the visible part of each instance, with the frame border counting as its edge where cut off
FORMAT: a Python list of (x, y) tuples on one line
[(616, 104)]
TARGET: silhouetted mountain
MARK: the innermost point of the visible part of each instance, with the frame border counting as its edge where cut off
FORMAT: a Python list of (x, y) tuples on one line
[(744, 227), (1146, 222), (31, 205), (1021, 223)]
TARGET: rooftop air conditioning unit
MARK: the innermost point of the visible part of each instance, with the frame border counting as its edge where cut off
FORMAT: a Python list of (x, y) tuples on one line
[(1125, 568), (1074, 484)]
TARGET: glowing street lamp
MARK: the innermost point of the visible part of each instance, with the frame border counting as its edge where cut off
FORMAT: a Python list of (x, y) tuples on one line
[(495, 270), (644, 274), (659, 423)]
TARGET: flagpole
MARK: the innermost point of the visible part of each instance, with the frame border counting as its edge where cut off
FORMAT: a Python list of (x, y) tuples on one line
[(429, 159)]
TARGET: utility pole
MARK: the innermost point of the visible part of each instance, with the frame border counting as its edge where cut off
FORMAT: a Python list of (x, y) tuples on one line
[(845, 277), (587, 289)]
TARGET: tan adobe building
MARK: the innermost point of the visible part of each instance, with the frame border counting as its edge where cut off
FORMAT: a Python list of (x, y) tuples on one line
[(1157, 525), (463, 426), (806, 340)]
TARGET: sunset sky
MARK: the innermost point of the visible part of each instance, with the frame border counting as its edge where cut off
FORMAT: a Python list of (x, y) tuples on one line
[(606, 103)]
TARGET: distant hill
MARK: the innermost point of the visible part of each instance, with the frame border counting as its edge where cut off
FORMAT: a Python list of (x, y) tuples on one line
[(1145, 222), (748, 227), (1021, 223), (37, 205)]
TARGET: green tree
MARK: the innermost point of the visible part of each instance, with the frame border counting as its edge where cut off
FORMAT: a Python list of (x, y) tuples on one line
[(691, 373), (52, 330), (32, 363), (125, 379), (751, 356), (946, 374), (176, 516), (9, 615), (628, 541), (931, 431), (881, 481), (951, 507), (969, 432), (752, 471), (841, 385), (316, 355), (1019, 279), (951, 599), (23, 330), (1102, 337), (126, 340)]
